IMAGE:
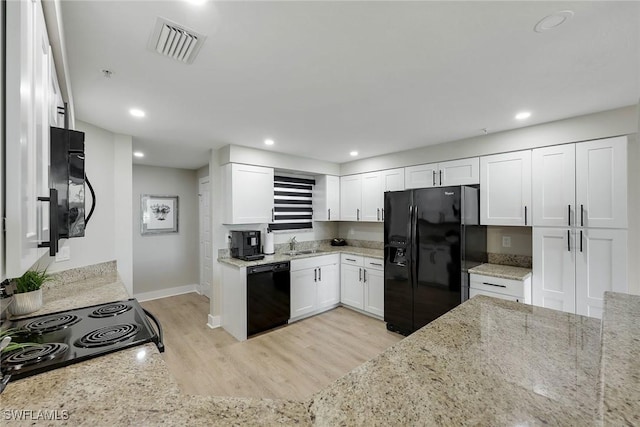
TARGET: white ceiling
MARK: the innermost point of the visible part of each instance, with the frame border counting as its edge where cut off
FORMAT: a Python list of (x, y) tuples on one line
[(324, 78)]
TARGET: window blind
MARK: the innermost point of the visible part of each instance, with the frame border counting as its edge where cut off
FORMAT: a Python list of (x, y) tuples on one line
[(293, 203)]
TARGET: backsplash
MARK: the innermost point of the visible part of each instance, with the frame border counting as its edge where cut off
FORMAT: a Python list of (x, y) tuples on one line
[(523, 261), (107, 270)]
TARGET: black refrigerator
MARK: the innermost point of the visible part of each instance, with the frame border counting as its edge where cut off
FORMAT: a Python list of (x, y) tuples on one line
[(431, 237)]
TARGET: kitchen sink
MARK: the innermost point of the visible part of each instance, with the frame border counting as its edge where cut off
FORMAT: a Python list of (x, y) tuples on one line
[(305, 252)]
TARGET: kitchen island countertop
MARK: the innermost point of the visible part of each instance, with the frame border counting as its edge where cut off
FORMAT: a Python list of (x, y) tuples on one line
[(487, 362)]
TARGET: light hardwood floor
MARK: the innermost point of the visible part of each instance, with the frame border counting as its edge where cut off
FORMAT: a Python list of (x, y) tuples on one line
[(291, 362)]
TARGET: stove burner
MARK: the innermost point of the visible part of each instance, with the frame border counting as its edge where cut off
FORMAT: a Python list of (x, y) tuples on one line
[(31, 355), (51, 324), (110, 310), (107, 336)]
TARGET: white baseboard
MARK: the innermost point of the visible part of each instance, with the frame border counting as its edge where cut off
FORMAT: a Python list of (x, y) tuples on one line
[(164, 293), (214, 322)]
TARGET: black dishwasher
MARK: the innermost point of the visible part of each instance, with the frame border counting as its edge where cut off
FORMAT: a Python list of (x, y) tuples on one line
[(268, 294)]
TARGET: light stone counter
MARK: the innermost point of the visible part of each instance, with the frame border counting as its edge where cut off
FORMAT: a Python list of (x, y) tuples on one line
[(322, 250), (487, 362), (502, 271)]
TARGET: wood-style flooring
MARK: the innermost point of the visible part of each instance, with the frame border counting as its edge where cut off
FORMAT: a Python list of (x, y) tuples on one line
[(291, 362)]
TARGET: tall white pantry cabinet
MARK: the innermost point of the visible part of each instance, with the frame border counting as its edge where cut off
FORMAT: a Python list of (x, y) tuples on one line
[(579, 196)]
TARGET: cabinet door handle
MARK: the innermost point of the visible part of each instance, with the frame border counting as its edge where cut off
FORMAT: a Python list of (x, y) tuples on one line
[(329, 214), (525, 215), (580, 240), (360, 275), (365, 275), (440, 176), (569, 240), (273, 214), (315, 274), (320, 274), (52, 244), (581, 215), (434, 178), (569, 215), (383, 214), (349, 259), (375, 263), (357, 214), (378, 214), (493, 284)]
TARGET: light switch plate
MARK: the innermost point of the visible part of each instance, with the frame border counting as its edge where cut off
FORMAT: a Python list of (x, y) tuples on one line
[(506, 241)]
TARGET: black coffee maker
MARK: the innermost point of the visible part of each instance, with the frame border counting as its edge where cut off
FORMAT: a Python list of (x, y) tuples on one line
[(245, 245)]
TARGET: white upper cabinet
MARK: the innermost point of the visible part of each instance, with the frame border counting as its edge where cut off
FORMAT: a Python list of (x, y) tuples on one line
[(601, 183), (460, 172), (248, 192), (554, 186), (392, 180), (454, 172), (505, 189), (421, 176), (372, 197), (362, 195), (27, 135), (350, 197), (326, 198), (601, 266)]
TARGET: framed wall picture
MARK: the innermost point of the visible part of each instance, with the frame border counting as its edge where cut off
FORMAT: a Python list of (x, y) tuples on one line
[(158, 214)]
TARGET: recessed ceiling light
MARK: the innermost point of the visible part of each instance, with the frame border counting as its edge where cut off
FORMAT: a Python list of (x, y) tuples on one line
[(523, 115), (135, 112), (197, 2), (353, 153), (553, 21), (138, 154), (269, 142)]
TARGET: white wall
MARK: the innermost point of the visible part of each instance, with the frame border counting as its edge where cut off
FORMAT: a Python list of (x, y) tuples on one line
[(253, 156), (107, 165), (123, 207), (521, 240), (166, 261), (621, 121)]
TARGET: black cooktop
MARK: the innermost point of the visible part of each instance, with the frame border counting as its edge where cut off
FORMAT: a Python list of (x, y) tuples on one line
[(72, 336)]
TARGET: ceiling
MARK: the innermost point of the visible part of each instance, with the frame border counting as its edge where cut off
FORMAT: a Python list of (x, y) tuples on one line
[(325, 78)]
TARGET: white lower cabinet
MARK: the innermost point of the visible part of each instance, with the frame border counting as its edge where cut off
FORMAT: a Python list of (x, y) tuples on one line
[(573, 268), (497, 287), (315, 285), (601, 265), (362, 283)]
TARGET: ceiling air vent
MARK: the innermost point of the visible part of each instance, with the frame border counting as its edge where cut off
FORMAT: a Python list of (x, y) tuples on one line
[(175, 41)]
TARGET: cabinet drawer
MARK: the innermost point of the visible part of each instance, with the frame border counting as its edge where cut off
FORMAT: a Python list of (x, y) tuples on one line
[(352, 259), (373, 263), (474, 292), (513, 288), (314, 261)]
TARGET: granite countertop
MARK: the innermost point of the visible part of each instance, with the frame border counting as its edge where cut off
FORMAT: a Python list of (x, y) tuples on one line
[(323, 250), (502, 271), (487, 362)]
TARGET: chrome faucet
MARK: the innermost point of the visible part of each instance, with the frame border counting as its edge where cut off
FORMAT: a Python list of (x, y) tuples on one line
[(292, 243)]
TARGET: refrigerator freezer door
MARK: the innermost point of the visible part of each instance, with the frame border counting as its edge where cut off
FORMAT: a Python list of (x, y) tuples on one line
[(437, 257), (398, 293)]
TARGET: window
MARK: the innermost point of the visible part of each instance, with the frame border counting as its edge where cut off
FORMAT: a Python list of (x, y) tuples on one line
[(292, 200)]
